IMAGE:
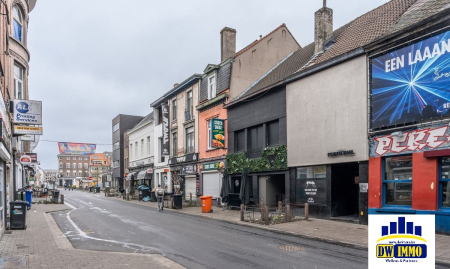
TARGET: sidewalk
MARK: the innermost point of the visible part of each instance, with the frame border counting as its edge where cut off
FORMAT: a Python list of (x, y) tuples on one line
[(42, 245), (332, 231)]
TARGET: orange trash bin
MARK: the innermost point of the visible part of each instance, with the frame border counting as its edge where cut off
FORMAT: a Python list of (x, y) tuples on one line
[(206, 203)]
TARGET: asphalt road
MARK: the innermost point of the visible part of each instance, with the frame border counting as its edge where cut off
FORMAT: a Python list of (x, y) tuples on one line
[(100, 223)]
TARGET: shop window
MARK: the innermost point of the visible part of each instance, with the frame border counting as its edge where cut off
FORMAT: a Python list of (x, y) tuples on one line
[(311, 184), (444, 183), (312, 172), (397, 181)]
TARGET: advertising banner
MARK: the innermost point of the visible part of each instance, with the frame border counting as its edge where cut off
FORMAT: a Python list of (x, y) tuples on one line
[(411, 84), (165, 122), (218, 133), (28, 138), (27, 112), (76, 148), (426, 138), (25, 130)]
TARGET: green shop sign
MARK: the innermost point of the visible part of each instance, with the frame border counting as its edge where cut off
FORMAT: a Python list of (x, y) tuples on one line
[(213, 166), (218, 133)]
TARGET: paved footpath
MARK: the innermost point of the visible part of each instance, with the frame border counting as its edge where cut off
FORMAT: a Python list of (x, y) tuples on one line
[(42, 245), (331, 231)]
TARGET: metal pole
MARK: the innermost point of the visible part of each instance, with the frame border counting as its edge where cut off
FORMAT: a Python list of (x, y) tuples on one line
[(306, 211), (266, 215)]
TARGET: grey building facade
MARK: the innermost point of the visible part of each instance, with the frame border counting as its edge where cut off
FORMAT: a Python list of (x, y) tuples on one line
[(120, 124)]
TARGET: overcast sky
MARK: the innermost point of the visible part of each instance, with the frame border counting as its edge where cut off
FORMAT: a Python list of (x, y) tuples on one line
[(92, 60)]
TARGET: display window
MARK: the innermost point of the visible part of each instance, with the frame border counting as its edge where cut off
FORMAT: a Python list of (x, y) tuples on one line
[(397, 181), (444, 183)]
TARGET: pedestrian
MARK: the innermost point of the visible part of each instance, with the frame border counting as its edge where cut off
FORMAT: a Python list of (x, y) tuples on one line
[(72, 187), (160, 197), (65, 186)]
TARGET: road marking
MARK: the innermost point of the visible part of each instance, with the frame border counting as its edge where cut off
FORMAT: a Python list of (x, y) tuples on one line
[(123, 244)]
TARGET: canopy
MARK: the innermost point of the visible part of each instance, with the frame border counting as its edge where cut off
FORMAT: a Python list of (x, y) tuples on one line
[(131, 174), (144, 175), (245, 190)]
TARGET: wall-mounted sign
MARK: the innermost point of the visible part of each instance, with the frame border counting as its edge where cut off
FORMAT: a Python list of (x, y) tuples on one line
[(27, 112), (25, 159), (76, 148), (341, 153), (218, 133), (312, 190), (363, 187), (425, 139), (150, 171), (165, 126), (411, 84), (24, 130), (28, 138), (213, 166), (33, 157), (193, 157)]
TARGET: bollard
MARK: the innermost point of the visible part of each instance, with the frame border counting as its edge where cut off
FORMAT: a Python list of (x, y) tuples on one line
[(171, 203), (288, 213), (279, 206), (241, 212), (266, 215), (306, 211), (190, 198), (62, 198), (128, 196)]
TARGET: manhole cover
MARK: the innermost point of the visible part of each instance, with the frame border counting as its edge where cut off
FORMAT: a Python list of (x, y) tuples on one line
[(19, 246), (291, 248), (8, 232)]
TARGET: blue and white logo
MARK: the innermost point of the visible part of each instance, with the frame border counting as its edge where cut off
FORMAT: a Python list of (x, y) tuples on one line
[(22, 107)]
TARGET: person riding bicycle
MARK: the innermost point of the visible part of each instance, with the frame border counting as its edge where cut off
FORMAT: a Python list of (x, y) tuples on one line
[(160, 197)]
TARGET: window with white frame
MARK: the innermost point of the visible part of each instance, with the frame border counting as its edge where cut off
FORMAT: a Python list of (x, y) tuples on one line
[(212, 86), (131, 151), (174, 109), (68, 158), (60, 165), (208, 131), (68, 173), (67, 165), (18, 23), (80, 158), (74, 165), (80, 165), (18, 82), (85, 166), (85, 159), (74, 158), (142, 148), (148, 145), (136, 150)]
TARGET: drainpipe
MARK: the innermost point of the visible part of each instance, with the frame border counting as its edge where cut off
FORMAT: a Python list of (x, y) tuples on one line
[(14, 176)]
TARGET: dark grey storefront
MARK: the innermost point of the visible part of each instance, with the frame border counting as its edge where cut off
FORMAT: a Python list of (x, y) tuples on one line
[(184, 175)]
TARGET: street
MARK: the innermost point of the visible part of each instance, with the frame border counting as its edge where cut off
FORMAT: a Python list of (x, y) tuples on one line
[(109, 224)]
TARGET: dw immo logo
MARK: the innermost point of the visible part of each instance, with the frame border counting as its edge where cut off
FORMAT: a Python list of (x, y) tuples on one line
[(405, 241)]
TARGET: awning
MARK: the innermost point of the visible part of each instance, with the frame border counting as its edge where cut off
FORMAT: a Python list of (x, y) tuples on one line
[(130, 174), (144, 175)]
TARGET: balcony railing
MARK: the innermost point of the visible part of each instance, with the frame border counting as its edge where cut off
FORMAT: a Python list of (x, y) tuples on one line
[(189, 114), (189, 149), (254, 153)]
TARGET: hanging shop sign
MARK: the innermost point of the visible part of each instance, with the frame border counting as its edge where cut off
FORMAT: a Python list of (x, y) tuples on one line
[(27, 130), (213, 166), (24, 159), (218, 133), (312, 190), (423, 139), (411, 84), (33, 157), (165, 126), (193, 157), (76, 148), (27, 112), (341, 153)]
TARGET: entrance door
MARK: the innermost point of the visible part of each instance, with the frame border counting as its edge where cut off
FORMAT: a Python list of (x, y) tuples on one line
[(345, 190)]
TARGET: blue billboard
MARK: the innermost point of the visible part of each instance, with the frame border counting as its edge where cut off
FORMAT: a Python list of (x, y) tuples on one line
[(411, 84)]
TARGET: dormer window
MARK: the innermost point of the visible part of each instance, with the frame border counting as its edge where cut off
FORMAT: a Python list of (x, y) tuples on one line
[(18, 23), (212, 86)]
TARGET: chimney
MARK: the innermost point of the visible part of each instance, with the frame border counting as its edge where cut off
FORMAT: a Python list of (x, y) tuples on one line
[(227, 43), (176, 85), (323, 26)]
